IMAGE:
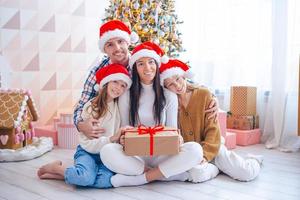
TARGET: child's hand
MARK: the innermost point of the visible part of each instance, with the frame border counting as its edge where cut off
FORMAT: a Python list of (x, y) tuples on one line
[(122, 140), (121, 131), (116, 136)]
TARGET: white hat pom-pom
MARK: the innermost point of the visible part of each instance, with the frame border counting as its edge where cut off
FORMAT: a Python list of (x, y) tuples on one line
[(189, 74), (134, 37), (164, 59), (96, 87)]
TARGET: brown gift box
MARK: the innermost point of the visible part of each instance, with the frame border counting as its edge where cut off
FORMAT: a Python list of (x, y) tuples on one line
[(165, 142), (243, 100), (242, 122)]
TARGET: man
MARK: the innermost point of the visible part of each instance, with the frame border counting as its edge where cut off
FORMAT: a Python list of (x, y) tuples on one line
[(114, 40)]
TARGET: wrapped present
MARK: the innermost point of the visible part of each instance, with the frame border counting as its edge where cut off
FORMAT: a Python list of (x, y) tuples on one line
[(230, 140), (246, 137), (243, 100), (67, 136), (222, 117), (46, 131), (153, 141), (242, 122), (56, 120), (66, 118)]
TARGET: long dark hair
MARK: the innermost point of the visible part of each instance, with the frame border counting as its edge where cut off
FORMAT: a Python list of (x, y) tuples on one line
[(135, 93)]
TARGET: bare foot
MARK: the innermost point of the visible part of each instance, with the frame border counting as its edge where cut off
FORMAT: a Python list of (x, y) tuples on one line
[(48, 168), (51, 176)]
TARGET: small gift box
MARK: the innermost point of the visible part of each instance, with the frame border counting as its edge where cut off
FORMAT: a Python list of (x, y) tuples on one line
[(46, 131), (230, 140), (243, 100), (67, 136), (246, 137), (242, 122), (222, 117), (151, 141)]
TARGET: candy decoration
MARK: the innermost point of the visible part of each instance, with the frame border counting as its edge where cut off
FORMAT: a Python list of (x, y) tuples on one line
[(4, 139)]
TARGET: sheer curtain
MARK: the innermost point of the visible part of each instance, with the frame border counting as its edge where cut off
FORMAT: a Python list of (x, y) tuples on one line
[(247, 42)]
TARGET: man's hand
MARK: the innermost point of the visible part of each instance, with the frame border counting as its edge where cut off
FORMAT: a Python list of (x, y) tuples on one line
[(212, 110), (90, 128)]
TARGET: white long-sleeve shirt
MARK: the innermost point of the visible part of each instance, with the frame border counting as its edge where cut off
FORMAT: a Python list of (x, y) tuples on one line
[(145, 112), (110, 122)]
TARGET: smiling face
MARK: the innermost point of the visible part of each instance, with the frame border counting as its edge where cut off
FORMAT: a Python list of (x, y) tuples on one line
[(115, 89), (146, 69), (117, 50), (176, 84)]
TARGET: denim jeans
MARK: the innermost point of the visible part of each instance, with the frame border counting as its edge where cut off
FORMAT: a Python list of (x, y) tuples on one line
[(88, 170)]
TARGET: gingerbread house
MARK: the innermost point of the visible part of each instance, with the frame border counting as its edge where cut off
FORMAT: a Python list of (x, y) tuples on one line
[(17, 112)]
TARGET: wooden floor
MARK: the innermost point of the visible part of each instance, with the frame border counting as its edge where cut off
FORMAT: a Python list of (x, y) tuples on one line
[(279, 179)]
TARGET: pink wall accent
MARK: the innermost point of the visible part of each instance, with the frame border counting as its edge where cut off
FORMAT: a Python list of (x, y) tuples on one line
[(50, 47)]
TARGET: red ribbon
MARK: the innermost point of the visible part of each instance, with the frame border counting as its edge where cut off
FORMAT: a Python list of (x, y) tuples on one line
[(151, 131)]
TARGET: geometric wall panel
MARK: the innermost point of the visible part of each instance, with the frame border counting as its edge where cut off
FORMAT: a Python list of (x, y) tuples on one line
[(33, 65), (29, 4), (51, 83), (80, 47), (15, 43), (7, 37), (10, 3), (50, 47), (66, 45), (50, 25), (64, 100), (64, 80), (31, 44), (13, 22), (31, 24), (27, 17), (80, 10)]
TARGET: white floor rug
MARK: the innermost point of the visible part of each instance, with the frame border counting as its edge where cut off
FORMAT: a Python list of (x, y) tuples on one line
[(38, 147)]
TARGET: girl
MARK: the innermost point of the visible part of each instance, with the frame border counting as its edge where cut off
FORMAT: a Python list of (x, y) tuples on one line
[(195, 126), (149, 104), (88, 169)]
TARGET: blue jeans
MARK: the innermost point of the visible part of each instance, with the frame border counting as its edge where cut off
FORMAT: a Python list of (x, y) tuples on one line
[(88, 170)]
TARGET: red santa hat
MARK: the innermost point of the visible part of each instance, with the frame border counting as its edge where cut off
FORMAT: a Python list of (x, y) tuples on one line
[(112, 72), (148, 49), (113, 29), (174, 67)]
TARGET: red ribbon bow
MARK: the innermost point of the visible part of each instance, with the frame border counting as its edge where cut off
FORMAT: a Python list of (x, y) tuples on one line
[(151, 131)]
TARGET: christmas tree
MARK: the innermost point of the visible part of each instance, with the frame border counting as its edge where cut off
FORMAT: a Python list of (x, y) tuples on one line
[(152, 20)]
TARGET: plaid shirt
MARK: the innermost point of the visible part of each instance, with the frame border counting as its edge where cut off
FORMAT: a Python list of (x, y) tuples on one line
[(88, 90)]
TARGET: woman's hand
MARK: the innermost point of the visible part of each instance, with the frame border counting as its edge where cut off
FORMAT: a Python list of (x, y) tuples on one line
[(212, 110)]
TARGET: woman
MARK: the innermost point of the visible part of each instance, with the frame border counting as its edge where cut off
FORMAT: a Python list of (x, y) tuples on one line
[(149, 104), (195, 126)]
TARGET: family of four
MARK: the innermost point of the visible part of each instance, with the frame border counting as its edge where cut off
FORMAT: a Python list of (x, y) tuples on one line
[(145, 87)]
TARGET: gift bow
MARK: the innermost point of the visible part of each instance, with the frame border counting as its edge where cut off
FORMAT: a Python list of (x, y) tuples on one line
[(151, 131)]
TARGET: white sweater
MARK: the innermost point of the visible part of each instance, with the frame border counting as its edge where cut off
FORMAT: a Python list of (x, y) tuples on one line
[(145, 112), (110, 122)]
